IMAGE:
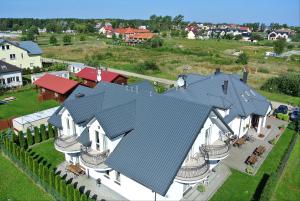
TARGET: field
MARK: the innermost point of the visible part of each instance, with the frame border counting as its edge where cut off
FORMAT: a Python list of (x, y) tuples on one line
[(26, 102), (201, 56), (288, 187), (292, 100), (47, 151), (15, 185), (240, 186)]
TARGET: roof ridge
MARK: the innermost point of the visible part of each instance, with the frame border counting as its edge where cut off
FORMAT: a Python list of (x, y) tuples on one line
[(239, 100)]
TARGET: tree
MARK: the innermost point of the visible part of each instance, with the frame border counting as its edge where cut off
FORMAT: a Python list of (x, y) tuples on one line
[(43, 132), (45, 174), (82, 38), (35, 167), (29, 137), (67, 40), (76, 195), (22, 139), (37, 135), (62, 189), (53, 40), (83, 197), (41, 171), (242, 59), (50, 131), (70, 192), (279, 46), (51, 179), (57, 183)]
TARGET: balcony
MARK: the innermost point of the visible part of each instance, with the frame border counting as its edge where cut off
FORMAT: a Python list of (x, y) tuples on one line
[(193, 171), (68, 144), (94, 159), (216, 151)]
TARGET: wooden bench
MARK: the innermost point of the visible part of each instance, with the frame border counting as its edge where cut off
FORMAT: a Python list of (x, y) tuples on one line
[(251, 160), (259, 150), (239, 142), (75, 169)]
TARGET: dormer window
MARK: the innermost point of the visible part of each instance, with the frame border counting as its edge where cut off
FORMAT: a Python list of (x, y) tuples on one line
[(3, 47), (7, 47)]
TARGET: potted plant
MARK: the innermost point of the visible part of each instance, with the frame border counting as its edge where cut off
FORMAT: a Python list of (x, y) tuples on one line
[(201, 188), (249, 169), (261, 135), (269, 126)]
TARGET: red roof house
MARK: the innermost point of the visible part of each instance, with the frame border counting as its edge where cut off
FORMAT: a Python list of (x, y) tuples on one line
[(91, 76), (54, 87)]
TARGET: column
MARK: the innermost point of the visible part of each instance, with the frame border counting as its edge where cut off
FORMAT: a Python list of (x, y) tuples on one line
[(259, 126), (264, 121)]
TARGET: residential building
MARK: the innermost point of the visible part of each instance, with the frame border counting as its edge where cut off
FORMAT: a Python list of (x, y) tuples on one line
[(106, 30), (54, 87), (10, 75), (126, 32), (143, 145), (240, 105), (280, 34), (139, 38), (76, 67), (63, 74), (91, 76), (23, 54), (191, 35)]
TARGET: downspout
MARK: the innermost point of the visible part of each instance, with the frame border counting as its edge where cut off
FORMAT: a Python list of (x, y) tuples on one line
[(240, 127)]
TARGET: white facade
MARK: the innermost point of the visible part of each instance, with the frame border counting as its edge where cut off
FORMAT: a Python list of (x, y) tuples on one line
[(63, 74), (191, 35), (12, 79), (76, 67)]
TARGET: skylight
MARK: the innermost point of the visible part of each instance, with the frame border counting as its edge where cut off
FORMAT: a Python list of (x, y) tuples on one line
[(245, 99), (252, 92)]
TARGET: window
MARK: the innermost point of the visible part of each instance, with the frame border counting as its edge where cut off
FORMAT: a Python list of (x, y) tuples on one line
[(31, 64), (12, 56), (8, 80), (118, 180), (107, 174), (68, 124), (3, 47), (18, 79), (22, 55), (104, 142), (7, 47), (97, 140), (2, 81)]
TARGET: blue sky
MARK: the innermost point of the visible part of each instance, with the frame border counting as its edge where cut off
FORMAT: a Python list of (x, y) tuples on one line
[(230, 11)]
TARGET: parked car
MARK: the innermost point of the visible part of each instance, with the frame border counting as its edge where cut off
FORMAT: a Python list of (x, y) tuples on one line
[(281, 109), (2, 102), (295, 115)]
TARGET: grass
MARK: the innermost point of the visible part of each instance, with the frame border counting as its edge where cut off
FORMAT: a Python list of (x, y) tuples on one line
[(202, 56), (281, 98), (26, 103), (15, 185), (288, 187), (240, 186), (47, 151)]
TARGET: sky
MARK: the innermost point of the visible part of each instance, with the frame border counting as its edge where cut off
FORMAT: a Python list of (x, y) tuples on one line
[(216, 11)]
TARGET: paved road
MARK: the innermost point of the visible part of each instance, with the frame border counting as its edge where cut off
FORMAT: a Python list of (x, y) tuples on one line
[(146, 77)]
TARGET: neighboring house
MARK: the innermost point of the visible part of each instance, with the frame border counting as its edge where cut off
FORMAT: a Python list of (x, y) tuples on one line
[(91, 76), (143, 145), (10, 75), (107, 30), (280, 34), (240, 106), (31, 120), (126, 32), (76, 67), (23, 54), (63, 74), (139, 38), (54, 87), (191, 35)]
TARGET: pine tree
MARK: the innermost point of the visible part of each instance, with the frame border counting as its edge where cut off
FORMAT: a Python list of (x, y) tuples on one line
[(29, 137), (43, 132), (41, 171), (62, 189), (83, 197), (70, 192), (13, 137), (37, 135), (45, 174), (22, 139), (76, 195), (51, 179), (50, 131), (57, 183)]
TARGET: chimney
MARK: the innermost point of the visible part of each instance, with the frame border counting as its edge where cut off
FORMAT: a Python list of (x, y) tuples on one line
[(225, 87), (181, 82), (218, 70), (99, 74), (245, 74)]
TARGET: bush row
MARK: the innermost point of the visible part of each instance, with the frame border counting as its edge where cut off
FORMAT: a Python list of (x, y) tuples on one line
[(42, 173), (40, 134), (272, 181), (284, 117)]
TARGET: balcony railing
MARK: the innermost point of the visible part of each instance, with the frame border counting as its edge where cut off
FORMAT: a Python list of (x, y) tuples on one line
[(64, 142), (216, 150), (92, 158), (193, 172)]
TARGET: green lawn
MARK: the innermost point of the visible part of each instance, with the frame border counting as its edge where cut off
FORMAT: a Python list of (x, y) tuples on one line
[(288, 187), (281, 98), (15, 185), (26, 103), (240, 186), (46, 149)]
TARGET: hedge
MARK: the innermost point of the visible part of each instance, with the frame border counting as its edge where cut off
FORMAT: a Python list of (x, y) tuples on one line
[(284, 117), (38, 170)]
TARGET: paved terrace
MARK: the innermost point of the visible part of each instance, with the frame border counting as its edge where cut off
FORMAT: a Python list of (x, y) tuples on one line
[(88, 185), (145, 77), (238, 155)]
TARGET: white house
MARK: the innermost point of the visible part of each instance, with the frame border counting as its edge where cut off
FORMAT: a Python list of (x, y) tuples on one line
[(63, 74), (191, 35), (76, 67), (279, 34), (23, 54), (140, 144), (10, 75)]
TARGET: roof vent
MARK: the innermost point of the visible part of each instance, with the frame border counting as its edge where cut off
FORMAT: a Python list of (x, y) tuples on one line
[(225, 87), (79, 95), (245, 74), (218, 70), (3, 67)]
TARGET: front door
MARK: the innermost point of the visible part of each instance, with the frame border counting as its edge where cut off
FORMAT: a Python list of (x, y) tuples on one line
[(254, 121)]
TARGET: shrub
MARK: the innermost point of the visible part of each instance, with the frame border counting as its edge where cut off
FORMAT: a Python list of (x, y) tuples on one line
[(148, 65), (67, 40), (70, 192), (273, 141), (76, 195), (82, 38), (284, 117), (22, 139), (29, 137), (51, 179), (242, 59), (53, 40), (201, 188), (62, 189), (279, 46), (83, 197), (269, 126), (57, 183), (250, 169), (43, 132), (37, 135), (50, 131), (263, 70)]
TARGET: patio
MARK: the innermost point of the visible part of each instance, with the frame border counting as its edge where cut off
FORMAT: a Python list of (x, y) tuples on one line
[(89, 185), (238, 155)]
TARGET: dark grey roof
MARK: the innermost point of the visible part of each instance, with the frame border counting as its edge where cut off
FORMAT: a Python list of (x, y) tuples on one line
[(31, 47), (117, 120), (164, 132), (84, 137), (8, 68), (241, 99), (55, 119), (144, 86)]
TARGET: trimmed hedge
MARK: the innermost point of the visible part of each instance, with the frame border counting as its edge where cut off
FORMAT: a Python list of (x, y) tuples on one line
[(284, 117)]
